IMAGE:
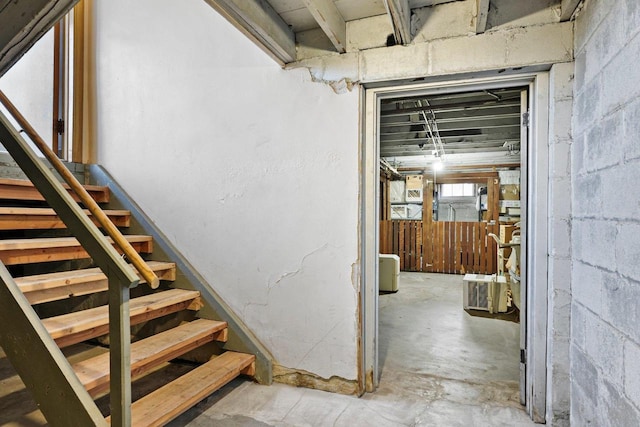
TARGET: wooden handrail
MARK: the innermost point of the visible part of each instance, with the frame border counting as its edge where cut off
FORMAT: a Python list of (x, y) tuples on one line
[(84, 196)]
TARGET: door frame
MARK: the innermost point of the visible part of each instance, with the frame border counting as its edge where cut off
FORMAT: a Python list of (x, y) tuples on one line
[(534, 193)]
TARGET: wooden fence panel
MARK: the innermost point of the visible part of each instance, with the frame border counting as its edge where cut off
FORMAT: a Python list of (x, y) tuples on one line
[(440, 247)]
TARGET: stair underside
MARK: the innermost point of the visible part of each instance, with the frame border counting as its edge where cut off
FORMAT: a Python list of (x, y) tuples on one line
[(79, 326), (12, 218), (171, 400), (151, 352), (49, 287), (27, 251), (20, 189)]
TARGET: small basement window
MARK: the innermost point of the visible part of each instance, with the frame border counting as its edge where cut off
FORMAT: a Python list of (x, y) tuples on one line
[(457, 190)]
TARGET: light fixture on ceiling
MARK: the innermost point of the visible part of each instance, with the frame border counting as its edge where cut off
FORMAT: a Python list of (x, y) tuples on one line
[(438, 163)]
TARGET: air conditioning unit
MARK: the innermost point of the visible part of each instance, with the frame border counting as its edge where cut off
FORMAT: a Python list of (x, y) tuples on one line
[(483, 292)]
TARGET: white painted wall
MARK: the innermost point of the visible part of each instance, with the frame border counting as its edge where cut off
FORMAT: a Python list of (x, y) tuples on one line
[(29, 86), (250, 170)]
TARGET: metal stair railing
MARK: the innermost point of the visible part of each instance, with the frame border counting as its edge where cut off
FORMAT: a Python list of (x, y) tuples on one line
[(120, 275)]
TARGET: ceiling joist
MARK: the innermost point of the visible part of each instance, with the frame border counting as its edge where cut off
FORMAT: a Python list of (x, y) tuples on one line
[(23, 23), (482, 7), (258, 21), (400, 13), (330, 20)]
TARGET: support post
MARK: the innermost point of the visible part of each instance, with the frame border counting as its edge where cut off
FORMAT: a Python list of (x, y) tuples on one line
[(120, 353)]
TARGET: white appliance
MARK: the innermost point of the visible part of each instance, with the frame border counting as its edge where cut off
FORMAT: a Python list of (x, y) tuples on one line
[(388, 272), (485, 292)]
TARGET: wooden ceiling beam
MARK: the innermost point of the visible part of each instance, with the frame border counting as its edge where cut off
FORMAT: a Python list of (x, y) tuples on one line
[(482, 12), (23, 23), (400, 13), (262, 24), (330, 20)]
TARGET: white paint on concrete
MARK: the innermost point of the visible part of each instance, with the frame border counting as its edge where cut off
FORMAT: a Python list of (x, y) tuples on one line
[(559, 262), (445, 43), (503, 49), (29, 86), (454, 19), (605, 213), (368, 33), (507, 13), (250, 170)]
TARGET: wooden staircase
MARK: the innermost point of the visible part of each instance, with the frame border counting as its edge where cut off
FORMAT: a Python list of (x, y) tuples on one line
[(32, 241)]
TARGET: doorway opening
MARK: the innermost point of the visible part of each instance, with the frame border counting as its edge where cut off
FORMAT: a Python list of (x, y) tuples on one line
[(449, 199), (69, 84)]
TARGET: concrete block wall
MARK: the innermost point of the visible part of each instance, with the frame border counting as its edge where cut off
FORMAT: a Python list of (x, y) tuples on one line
[(559, 291), (605, 169)]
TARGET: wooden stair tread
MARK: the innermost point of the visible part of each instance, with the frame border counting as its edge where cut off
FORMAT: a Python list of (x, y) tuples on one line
[(82, 325), (21, 189), (65, 284), (23, 218), (171, 400), (26, 251), (57, 242), (151, 352)]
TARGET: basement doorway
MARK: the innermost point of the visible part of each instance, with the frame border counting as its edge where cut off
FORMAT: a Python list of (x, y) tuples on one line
[(476, 128)]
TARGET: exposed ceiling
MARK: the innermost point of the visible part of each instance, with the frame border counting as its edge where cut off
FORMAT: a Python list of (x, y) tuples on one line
[(470, 127), (274, 24), (479, 127), (297, 15)]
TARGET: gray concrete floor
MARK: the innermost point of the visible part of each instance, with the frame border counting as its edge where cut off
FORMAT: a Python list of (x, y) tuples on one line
[(439, 367)]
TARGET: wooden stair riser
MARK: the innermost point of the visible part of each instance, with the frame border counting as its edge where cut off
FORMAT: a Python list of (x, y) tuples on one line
[(57, 286), (18, 189), (30, 255)]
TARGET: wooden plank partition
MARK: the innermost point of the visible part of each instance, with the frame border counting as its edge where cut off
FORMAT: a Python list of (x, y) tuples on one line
[(445, 247)]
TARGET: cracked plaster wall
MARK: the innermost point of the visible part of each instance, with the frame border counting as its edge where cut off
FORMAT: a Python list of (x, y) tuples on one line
[(252, 171)]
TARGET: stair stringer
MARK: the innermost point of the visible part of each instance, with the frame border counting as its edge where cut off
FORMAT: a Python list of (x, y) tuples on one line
[(241, 338)]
